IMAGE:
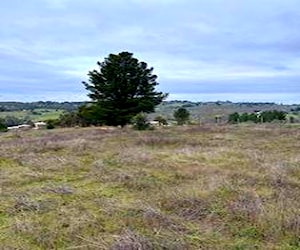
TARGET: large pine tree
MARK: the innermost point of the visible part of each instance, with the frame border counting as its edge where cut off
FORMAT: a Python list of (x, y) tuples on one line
[(122, 88)]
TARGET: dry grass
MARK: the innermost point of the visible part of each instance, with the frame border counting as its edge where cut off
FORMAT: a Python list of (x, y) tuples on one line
[(222, 187)]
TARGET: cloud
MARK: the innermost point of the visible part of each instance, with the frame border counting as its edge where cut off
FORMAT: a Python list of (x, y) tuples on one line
[(224, 45)]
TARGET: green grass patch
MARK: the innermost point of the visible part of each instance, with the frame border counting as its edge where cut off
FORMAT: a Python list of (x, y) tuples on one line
[(34, 115)]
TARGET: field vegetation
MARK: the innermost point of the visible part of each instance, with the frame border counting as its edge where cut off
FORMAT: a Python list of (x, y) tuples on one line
[(31, 115), (200, 112), (189, 187)]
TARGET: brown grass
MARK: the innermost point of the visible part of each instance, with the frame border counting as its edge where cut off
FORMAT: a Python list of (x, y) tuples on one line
[(193, 187)]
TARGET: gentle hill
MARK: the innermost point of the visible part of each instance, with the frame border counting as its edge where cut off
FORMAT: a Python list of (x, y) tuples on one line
[(20, 112), (206, 112)]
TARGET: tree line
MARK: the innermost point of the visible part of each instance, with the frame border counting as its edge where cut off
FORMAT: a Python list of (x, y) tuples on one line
[(19, 106), (257, 117)]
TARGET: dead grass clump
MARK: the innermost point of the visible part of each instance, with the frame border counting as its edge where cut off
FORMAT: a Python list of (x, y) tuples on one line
[(293, 169), (189, 208), (98, 169), (135, 156), (59, 189), (283, 213), (292, 223), (46, 163), (125, 178), (277, 173), (41, 145), (172, 242), (200, 129), (246, 179), (136, 179), (139, 183), (106, 171), (73, 227), (99, 164), (156, 220), (247, 205), (168, 139), (79, 146), (286, 183), (64, 139), (23, 225), (25, 204), (158, 141), (130, 240)]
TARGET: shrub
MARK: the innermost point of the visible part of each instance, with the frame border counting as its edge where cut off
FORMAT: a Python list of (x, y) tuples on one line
[(182, 116), (69, 119), (51, 124), (266, 116), (234, 118), (161, 120), (3, 127), (292, 119), (140, 122), (269, 116)]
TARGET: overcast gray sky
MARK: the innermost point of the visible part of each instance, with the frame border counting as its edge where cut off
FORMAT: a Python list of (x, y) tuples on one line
[(201, 50)]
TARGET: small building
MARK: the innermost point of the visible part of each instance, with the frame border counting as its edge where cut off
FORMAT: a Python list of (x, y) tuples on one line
[(19, 127), (40, 125), (154, 123)]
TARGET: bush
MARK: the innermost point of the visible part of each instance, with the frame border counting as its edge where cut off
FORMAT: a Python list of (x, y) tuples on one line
[(269, 116), (3, 127), (182, 116), (234, 118), (161, 120), (50, 126), (292, 119), (140, 122), (266, 116), (10, 121)]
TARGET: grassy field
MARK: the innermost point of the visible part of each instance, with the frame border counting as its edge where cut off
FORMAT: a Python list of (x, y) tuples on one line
[(35, 115), (218, 187)]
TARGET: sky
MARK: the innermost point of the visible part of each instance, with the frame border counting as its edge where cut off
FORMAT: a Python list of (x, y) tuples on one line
[(201, 50)]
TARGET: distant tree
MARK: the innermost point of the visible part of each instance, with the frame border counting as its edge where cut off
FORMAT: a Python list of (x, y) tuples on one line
[(280, 115), (122, 88), (10, 121), (234, 118), (51, 124), (296, 109), (292, 119), (244, 117), (266, 116), (68, 119), (89, 115), (3, 127), (269, 116), (161, 120), (181, 115), (254, 117), (218, 119)]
